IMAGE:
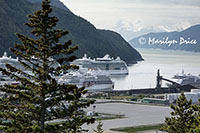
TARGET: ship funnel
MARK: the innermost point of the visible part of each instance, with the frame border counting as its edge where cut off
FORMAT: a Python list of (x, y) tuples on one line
[(5, 54)]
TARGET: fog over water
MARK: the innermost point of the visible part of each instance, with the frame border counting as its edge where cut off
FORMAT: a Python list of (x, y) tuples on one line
[(143, 74)]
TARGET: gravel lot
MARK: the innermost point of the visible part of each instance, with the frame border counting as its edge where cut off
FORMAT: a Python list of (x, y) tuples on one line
[(135, 115)]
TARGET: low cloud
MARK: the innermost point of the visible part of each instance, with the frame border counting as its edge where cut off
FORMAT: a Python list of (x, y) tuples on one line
[(135, 17)]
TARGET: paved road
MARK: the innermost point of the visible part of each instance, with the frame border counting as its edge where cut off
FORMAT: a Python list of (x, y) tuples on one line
[(135, 115)]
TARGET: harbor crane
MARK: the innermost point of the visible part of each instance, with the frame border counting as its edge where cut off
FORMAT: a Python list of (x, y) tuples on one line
[(159, 79)]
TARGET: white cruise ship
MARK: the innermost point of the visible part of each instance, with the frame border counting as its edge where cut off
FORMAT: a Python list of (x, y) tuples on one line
[(107, 65), (91, 80), (187, 79), (9, 60)]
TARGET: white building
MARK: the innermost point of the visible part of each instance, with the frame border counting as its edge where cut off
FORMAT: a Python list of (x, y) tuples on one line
[(194, 95)]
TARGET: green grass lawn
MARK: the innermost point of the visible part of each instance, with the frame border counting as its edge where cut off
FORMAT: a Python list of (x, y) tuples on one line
[(137, 128), (104, 116)]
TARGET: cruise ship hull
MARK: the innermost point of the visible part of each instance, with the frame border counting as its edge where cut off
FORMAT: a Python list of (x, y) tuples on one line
[(99, 87), (106, 65), (108, 72), (92, 81), (187, 79)]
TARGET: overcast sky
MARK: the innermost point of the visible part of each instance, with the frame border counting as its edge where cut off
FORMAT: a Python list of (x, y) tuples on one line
[(135, 17)]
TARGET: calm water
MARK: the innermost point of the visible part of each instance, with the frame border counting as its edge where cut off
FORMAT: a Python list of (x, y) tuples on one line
[(143, 74)]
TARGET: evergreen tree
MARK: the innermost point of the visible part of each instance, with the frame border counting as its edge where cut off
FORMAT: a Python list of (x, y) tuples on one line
[(183, 117), (38, 99), (196, 128), (99, 127)]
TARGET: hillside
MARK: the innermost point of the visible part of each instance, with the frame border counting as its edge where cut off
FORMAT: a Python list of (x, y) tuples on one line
[(94, 42), (55, 3), (187, 40)]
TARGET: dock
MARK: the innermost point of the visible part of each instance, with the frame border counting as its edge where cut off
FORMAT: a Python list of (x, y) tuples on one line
[(175, 88), (163, 90)]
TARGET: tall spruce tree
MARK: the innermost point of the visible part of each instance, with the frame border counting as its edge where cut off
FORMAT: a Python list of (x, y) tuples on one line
[(39, 100), (196, 124), (183, 118)]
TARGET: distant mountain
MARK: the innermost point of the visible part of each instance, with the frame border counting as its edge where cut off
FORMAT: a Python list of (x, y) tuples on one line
[(94, 42), (188, 40)]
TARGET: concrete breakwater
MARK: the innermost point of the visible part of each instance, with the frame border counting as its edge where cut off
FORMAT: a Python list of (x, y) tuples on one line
[(185, 88)]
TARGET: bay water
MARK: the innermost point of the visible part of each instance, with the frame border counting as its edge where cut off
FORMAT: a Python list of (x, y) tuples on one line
[(143, 74)]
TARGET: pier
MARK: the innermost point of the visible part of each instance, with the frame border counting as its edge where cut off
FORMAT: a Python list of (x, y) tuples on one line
[(185, 88), (175, 88)]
